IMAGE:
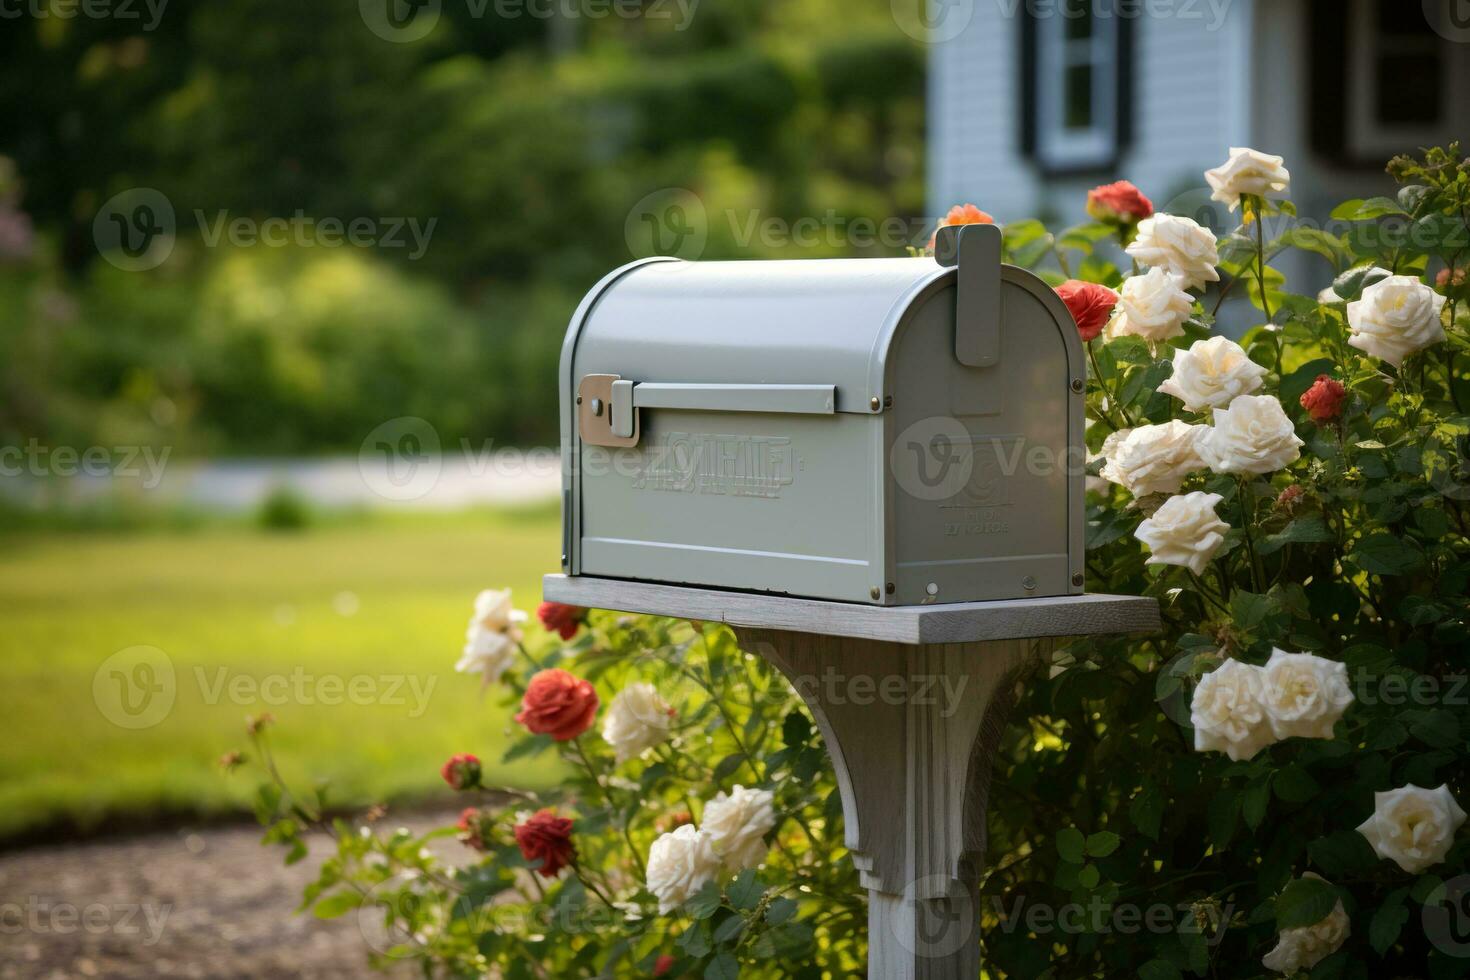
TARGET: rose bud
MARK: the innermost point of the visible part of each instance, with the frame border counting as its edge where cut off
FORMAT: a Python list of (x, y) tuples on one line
[(547, 838), (474, 826), (461, 771), (1118, 203), (663, 964), (1090, 305), (1323, 401), (558, 617), (558, 704)]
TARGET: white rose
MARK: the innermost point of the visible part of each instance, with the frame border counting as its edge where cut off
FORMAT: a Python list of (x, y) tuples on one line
[(1413, 827), (1248, 172), (1153, 306), (1212, 374), (1304, 694), (1253, 435), (487, 653), (636, 721), (1304, 947), (1396, 317), (1184, 531), (679, 864), (1227, 712), (737, 825), (1178, 245), (493, 611), (1155, 458)]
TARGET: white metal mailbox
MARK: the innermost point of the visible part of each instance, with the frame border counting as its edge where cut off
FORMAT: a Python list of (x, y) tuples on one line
[(889, 431)]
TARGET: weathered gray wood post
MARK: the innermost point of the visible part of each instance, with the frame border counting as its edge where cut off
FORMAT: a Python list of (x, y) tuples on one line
[(911, 702)]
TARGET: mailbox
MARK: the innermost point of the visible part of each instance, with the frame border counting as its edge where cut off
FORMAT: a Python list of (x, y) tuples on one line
[(884, 431)]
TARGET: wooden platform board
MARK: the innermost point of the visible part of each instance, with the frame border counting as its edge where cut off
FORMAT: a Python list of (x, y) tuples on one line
[(958, 622)]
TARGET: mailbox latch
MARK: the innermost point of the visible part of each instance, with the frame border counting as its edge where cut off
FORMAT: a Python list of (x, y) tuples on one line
[(608, 405)]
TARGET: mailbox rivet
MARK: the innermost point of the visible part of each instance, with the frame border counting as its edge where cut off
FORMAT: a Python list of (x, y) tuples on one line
[(875, 403), (579, 399), (888, 588), (932, 588), (597, 407), (1077, 579), (874, 592), (887, 401), (1029, 583), (1078, 384)]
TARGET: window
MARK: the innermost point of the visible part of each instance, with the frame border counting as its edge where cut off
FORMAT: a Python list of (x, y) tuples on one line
[(1073, 59), (1394, 87)]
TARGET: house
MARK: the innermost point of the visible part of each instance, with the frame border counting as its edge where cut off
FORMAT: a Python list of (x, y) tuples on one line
[(1033, 102)]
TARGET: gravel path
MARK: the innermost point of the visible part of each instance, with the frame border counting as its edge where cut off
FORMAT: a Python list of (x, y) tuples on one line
[(208, 903)]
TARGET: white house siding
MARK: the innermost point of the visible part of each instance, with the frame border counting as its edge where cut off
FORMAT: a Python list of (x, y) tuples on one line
[(1188, 96)]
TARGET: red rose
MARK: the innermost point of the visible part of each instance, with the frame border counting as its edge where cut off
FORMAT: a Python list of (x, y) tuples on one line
[(1120, 202), (1323, 401), (558, 617), (962, 214), (547, 838), (1290, 498), (1090, 305), (461, 771), (663, 964), (474, 826), (558, 704)]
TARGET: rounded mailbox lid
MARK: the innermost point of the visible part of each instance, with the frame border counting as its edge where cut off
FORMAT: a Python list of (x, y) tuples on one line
[(810, 321)]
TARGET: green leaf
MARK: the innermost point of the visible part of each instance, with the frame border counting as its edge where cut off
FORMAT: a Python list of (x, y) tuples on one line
[(1071, 845), (729, 929), (1159, 970), (1295, 785), (1304, 530), (335, 905), (1377, 207), (530, 746), (1255, 800), (781, 910), (1147, 812), (795, 729), (1388, 921), (702, 904), (1304, 902), (726, 767), (745, 891), (1089, 876), (1343, 853), (1102, 843), (1386, 554), (1436, 728)]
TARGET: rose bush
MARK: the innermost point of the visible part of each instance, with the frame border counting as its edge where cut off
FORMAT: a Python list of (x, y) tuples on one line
[(1281, 769)]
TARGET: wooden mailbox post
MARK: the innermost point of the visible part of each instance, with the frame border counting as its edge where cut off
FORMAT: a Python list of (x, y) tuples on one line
[(914, 769)]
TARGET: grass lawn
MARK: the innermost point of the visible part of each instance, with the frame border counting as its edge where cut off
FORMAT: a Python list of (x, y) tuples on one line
[(346, 632)]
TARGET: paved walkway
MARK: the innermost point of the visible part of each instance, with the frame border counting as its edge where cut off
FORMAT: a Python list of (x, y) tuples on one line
[(210, 903)]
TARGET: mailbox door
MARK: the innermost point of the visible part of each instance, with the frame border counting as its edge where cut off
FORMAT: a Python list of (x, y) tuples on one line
[(765, 501), (985, 463)]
